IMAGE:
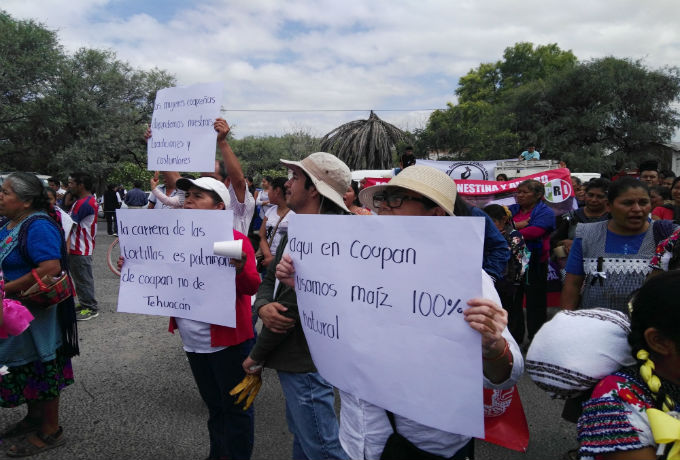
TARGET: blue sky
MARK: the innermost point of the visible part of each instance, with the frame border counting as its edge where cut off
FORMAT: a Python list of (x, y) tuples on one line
[(325, 54)]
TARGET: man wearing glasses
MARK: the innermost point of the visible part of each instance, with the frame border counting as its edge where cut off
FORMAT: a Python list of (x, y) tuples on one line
[(315, 185), (364, 427)]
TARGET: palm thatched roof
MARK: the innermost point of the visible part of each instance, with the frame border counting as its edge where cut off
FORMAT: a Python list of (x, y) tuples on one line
[(364, 144)]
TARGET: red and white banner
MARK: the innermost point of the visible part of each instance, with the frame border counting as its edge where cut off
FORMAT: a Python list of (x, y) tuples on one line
[(559, 192), (504, 421)]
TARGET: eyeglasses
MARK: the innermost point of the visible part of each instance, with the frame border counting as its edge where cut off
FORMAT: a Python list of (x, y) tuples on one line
[(395, 200)]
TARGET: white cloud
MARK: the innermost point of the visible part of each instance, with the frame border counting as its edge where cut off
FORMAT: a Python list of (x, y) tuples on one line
[(305, 54)]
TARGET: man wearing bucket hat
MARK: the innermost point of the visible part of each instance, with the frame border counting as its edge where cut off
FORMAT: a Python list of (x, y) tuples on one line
[(364, 427), (316, 185)]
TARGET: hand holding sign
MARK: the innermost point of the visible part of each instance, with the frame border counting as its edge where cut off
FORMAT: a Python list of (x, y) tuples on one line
[(222, 128)]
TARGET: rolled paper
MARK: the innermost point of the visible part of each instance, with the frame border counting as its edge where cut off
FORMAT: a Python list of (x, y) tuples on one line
[(231, 249)]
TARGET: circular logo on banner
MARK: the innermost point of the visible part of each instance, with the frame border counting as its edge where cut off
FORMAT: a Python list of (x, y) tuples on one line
[(557, 190), (472, 170)]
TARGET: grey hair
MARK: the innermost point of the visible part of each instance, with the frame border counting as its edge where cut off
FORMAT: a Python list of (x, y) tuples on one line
[(29, 189)]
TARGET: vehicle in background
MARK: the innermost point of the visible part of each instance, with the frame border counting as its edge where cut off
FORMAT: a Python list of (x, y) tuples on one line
[(42, 177)]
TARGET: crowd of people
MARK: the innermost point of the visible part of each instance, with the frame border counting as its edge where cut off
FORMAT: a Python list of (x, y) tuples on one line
[(613, 251)]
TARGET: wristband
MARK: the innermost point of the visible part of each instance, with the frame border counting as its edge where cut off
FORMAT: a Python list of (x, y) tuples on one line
[(506, 349)]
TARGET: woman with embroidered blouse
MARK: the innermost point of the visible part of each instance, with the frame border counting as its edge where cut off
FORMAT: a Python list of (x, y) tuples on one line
[(610, 259), (629, 410)]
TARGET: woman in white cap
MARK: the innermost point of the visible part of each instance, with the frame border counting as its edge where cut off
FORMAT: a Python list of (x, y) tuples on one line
[(215, 353)]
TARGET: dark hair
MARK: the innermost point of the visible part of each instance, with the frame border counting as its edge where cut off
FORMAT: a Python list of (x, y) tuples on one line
[(655, 305), (137, 184), (29, 189), (495, 211), (649, 165), (407, 159), (461, 207), (249, 178), (675, 181), (268, 179), (535, 186), (408, 147), (54, 179), (355, 186), (111, 187), (82, 178), (621, 186), (503, 176), (51, 191), (668, 173), (601, 183), (278, 183), (576, 181), (663, 192)]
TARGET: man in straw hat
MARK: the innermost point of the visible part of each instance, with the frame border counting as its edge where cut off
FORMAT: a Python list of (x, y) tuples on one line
[(316, 185), (364, 428)]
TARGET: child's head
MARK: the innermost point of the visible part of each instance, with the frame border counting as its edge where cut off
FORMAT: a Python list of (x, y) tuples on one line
[(498, 215), (655, 314)]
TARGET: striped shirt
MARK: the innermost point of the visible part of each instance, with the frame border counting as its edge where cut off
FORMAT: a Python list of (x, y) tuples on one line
[(84, 214)]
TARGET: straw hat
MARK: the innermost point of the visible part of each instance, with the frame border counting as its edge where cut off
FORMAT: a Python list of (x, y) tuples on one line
[(330, 175), (425, 180)]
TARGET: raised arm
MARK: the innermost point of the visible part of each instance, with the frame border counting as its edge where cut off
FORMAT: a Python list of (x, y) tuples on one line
[(231, 163)]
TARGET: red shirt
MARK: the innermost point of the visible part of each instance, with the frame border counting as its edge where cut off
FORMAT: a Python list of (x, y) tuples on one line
[(247, 283)]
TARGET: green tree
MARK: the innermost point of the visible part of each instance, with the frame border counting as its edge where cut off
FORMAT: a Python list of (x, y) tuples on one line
[(30, 56)]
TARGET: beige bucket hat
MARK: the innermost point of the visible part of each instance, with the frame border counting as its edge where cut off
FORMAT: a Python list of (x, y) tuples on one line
[(330, 175), (429, 182)]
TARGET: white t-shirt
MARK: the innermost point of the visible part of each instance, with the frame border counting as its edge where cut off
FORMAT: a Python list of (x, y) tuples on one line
[(243, 212), (273, 219), (195, 336)]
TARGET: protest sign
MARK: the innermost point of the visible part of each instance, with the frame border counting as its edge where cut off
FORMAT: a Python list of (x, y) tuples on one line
[(183, 137), (381, 302), (170, 268)]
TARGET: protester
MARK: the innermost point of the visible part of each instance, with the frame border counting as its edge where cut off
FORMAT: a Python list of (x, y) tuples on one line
[(658, 195), (214, 352), (668, 178), (39, 358), (407, 159), (315, 186), (530, 154), (172, 202), (84, 214), (242, 201), (168, 189), (111, 203), (609, 260), (275, 224), (55, 184), (595, 210), (579, 191), (263, 197), (508, 285), (502, 177), (535, 221), (649, 172), (629, 410), (670, 211), (351, 199), (496, 252), (364, 427)]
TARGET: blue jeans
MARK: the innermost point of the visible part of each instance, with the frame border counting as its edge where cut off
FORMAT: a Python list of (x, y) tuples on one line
[(231, 429), (311, 417)]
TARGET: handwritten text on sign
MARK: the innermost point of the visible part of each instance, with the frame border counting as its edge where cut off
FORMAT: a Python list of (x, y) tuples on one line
[(170, 268), (183, 137), (381, 302)]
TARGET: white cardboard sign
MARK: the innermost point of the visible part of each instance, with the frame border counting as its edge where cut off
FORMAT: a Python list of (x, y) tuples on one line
[(183, 137), (381, 302), (170, 268)]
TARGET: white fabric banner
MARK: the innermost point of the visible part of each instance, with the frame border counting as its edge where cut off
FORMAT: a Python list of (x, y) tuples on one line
[(183, 137), (465, 169), (381, 302), (170, 268)]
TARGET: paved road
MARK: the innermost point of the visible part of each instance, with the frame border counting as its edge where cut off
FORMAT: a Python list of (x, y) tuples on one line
[(134, 396)]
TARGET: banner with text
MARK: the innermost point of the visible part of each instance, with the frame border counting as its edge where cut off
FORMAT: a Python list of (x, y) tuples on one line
[(559, 192), (381, 303), (183, 137), (170, 268), (465, 169)]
